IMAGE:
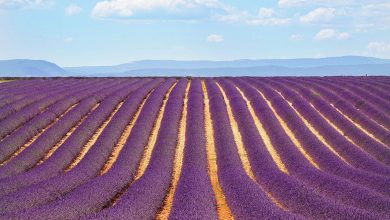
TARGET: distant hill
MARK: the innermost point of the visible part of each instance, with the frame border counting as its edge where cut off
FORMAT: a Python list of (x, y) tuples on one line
[(336, 70), (26, 68), (348, 65), (191, 66)]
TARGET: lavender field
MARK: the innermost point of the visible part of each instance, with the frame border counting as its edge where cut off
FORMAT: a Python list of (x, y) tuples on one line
[(195, 148)]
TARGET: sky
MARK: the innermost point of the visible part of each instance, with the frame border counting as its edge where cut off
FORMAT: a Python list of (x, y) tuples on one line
[(81, 33)]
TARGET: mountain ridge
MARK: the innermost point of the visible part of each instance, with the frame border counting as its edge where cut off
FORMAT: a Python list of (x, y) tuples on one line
[(346, 65), (196, 64)]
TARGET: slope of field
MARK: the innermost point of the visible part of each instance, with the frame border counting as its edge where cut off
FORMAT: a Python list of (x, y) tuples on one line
[(195, 148)]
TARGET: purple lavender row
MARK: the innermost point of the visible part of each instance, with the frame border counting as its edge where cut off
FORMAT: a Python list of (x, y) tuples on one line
[(374, 148), (194, 196), (362, 119), (24, 133), (11, 84), (376, 100), (36, 151), (341, 190), (381, 104), (370, 125), (15, 120), (143, 197), (377, 83), (63, 156), (289, 191), (282, 106), (348, 109), (358, 92), (369, 86), (31, 95), (158, 93), (27, 115), (72, 94), (383, 81), (344, 148), (34, 96), (376, 89), (264, 169), (9, 96), (321, 155), (369, 109), (20, 82), (14, 86), (88, 168), (246, 199), (361, 86)]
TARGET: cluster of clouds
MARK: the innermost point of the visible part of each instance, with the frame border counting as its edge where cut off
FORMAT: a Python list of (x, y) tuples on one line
[(380, 48), (132, 8), (215, 38), (17, 4), (263, 17), (363, 13), (73, 9), (332, 19), (329, 33), (318, 15)]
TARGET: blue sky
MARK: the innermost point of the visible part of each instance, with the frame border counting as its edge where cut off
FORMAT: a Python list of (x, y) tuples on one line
[(75, 33)]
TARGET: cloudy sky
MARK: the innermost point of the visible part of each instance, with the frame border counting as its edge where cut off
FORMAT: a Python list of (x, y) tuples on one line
[(73, 33)]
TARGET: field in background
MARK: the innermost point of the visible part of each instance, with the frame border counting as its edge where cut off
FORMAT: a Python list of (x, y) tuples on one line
[(195, 148)]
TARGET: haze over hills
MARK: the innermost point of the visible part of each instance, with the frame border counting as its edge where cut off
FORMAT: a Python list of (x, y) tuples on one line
[(347, 65), (244, 63), (26, 68)]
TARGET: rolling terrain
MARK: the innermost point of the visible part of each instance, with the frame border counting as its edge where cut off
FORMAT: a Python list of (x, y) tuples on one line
[(330, 66), (195, 148)]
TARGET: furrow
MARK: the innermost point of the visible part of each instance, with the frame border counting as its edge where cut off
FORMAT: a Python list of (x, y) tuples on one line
[(264, 136), (92, 140), (241, 150), (360, 127), (148, 149), (223, 209), (337, 128), (122, 140), (165, 210), (152, 138), (314, 131), (290, 133), (67, 135), (17, 152)]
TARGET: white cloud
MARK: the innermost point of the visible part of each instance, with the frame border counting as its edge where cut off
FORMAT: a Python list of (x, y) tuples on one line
[(380, 9), (266, 12), (289, 3), (362, 15), (328, 33), (183, 10), (376, 15), (318, 15), (326, 3), (343, 36), (173, 8), (265, 17), (269, 21), (379, 47), (73, 9), (17, 4), (215, 38), (68, 39), (296, 37)]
